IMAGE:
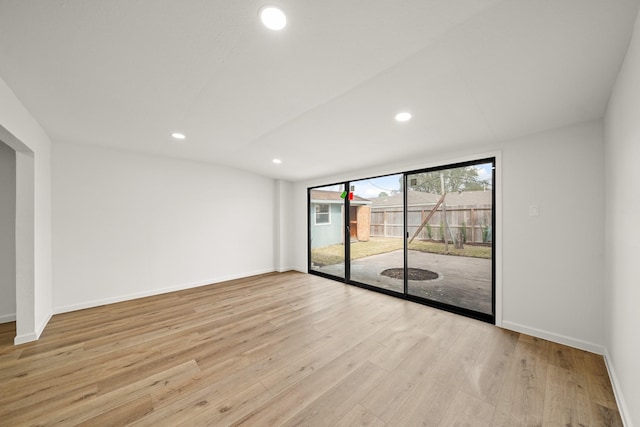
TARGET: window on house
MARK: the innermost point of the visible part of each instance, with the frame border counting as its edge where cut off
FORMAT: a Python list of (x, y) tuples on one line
[(323, 215)]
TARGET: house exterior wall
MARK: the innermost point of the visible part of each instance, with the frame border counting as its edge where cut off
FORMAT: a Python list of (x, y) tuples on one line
[(326, 234)]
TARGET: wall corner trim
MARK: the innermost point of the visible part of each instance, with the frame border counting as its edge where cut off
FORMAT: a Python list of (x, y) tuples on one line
[(552, 336), (43, 325), (25, 338), (32, 336), (617, 391)]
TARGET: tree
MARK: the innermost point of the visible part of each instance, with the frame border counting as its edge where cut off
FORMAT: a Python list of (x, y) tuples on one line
[(457, 179), (383, 194)]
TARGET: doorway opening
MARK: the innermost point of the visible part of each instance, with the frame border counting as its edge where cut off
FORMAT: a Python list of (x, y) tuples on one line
[(24, 239), (8, 241)]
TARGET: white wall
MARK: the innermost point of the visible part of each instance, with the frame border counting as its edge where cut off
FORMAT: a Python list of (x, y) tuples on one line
[(7, 233), (622, 156), (20, 131), (283, 225), (552, 265), (127, 225)]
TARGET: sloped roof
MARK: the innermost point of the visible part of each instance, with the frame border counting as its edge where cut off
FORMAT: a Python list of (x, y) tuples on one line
[(334, 196), (469, 198), (465, 198)]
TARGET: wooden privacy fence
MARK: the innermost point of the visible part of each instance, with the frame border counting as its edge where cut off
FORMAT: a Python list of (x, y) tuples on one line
[(474, 221)]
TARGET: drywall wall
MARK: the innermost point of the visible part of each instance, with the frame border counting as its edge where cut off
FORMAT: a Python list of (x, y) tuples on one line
[(127, 225), (8, 233), (20, 131), (283, 198), (622, 153), (552, 265)]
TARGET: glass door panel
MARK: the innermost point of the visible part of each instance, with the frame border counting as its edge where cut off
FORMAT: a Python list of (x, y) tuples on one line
[(326, 230), (376, 228), (424, 235), (449, 236)]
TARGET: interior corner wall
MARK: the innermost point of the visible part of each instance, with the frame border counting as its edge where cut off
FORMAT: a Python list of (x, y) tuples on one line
[(553, 264), (622, 153), (282, 228), (128, 225), (20, 131), (8, 233)]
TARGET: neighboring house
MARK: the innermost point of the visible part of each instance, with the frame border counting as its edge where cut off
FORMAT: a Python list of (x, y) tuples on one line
[(326, 218), (419, 198)]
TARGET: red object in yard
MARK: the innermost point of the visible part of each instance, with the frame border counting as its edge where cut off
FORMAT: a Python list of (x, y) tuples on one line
[(351, 195)]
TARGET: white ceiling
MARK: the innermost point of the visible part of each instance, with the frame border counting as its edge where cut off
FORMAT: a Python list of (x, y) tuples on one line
[(321, 94)]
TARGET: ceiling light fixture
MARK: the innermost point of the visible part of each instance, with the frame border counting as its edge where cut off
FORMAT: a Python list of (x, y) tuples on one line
[(277, 161), (403, 117), (177, 135), (273, 18)]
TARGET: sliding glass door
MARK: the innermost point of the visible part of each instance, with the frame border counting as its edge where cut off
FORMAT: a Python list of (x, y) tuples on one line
[(327, 230), (424, 235), (449, 237), (376, 225)]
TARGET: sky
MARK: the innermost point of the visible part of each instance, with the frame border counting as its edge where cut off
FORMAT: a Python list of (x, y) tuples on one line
[(372, 187)]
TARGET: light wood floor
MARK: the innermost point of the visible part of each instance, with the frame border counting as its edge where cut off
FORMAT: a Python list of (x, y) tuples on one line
[(293, 349)]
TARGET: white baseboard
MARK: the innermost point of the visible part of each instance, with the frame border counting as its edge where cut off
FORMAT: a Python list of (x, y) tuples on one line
[(551, 336), (40, 328), (136, 295), (32, 336), (25, 338), (6, 318), (617, 392)]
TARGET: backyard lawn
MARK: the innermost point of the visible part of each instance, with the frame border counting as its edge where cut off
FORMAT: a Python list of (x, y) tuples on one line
[(334, 254)]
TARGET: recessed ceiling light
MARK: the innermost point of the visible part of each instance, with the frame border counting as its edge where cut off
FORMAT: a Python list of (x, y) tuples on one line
[(277, 161), (403, 117), (177, 135), (273, 18)]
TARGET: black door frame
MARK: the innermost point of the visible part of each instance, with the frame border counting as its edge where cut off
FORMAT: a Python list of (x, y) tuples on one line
[(490, 318)]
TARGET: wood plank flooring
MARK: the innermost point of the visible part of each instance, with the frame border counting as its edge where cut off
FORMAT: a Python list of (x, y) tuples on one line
[(293, 349)]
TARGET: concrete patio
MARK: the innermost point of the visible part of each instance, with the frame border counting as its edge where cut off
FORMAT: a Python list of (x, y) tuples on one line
[(464, 282)]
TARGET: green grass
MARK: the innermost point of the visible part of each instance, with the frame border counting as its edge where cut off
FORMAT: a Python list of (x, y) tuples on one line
[(334, 254), (438, 248)]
